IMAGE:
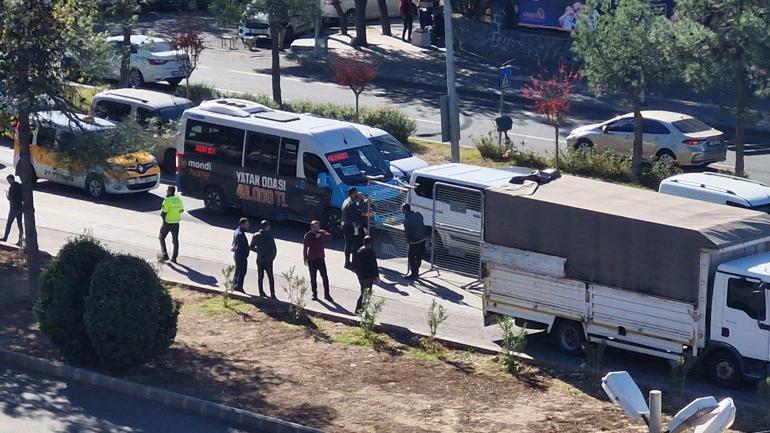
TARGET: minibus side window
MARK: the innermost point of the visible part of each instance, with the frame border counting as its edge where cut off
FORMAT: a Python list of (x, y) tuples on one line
[(313, 165), (288, 166), (262, 152), (219, 143)]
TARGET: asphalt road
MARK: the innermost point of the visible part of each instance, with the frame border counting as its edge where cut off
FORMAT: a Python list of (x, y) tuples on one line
[(35, 403)]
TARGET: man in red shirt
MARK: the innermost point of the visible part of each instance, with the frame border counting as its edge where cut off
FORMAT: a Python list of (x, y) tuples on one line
[(313, 251)]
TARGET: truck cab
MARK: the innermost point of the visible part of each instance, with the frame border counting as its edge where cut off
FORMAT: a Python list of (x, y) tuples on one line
[(739, 342)]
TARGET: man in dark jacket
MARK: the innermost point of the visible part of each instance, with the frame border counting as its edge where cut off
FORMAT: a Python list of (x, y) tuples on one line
[(366, 269), (351, 225), (16, 210), (263, 243), (313, 251), (416, 235), (240, 249)]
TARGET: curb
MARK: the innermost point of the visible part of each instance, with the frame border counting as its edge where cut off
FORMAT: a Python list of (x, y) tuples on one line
[(175, 400)]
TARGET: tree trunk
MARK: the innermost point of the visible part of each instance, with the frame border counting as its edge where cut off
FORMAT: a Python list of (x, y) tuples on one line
[(125, 56), (276, 65), (636, 157), (341, 14), (740, 124), (360, 39), (384, 18), (317, 37), (187, 87), (556, 148), (26, 172)]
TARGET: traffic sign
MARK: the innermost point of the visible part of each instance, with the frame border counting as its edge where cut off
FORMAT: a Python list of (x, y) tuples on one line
[(506, 77)]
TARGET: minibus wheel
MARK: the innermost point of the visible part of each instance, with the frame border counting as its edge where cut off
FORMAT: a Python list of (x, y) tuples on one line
[(214, 200), (332, 222)]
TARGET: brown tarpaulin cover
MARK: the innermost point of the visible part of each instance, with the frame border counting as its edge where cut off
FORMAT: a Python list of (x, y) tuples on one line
[(616, 235)]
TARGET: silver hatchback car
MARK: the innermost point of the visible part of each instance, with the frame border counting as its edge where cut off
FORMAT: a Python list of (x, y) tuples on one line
[(667, 137)]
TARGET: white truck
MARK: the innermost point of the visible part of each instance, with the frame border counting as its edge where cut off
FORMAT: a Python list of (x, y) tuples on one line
[(589, 261)]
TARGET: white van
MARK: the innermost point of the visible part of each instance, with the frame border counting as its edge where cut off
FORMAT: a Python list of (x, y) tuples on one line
[(349, 9), (141, 106), (402, 160), (719, 188), (273, 164), (474, 177)]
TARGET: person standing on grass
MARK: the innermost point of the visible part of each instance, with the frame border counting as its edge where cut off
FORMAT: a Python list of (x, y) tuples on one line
[(171, 212), (240, 249), (263, 243), (16, 210), (408, 11), (416, 236), (351, 225), (367, 270), (313, 251)]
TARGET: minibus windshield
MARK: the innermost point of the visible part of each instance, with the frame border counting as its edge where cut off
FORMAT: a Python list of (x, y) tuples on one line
[(354, 165)]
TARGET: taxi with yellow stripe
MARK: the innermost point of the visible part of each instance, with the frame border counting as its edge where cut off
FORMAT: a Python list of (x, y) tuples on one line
[(53, 131)]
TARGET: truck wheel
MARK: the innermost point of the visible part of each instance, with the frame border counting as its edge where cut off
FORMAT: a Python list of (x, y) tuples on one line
[(724, 369), (568, 336), (332, 222), (214, 200)]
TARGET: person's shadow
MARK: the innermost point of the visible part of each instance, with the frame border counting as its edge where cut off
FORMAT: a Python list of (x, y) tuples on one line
[(193, 275), (395, 278), (333, 306)]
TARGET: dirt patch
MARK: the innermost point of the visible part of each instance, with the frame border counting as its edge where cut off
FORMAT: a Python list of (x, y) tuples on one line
[(323, 375)]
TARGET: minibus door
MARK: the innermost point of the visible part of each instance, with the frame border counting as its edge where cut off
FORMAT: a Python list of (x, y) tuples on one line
[(257, 182), (311, 198)]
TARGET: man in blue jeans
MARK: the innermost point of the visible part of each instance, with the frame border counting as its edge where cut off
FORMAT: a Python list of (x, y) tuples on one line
[(16, 212)]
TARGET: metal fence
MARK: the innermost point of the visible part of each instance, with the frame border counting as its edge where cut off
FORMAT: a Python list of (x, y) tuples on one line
[(458, 229), (386, 227)]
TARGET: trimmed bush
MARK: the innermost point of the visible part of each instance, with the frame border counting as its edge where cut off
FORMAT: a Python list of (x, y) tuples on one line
[(394, 121), (516, 155), (60, 304), (198, 93), (129, 316), (602, 165)]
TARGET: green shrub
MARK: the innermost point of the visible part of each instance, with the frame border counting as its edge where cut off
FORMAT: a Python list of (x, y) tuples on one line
[(653, 174), (392, 120), (129, 316), (198, 92), (489, 148), (60, 304), (602, 165)]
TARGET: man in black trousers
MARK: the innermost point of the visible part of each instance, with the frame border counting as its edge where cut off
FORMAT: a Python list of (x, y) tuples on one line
[(367, 270), (416, 235), (240, 249), (263, 243), (351, 225), (16, 211)]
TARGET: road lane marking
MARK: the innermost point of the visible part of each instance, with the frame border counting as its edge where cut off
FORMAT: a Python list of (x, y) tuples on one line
[(428, 121), (259, 74)]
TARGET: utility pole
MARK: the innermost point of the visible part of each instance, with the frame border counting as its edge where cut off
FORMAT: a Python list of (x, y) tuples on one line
[(454, 105)]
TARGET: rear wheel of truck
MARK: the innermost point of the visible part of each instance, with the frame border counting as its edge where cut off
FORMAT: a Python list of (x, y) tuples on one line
[(568, 336), (214, 200), (724, 369)]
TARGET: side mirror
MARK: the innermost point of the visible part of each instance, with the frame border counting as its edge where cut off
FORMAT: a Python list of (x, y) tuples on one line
[(323, 181), (624, 392), (758, 297), (604, 129)]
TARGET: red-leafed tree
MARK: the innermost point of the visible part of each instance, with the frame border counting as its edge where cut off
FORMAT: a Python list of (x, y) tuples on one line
[(356, 72), (189, 40), (552, 98)]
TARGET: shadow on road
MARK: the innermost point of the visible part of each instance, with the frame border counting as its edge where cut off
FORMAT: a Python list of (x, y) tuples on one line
[(138, 202)]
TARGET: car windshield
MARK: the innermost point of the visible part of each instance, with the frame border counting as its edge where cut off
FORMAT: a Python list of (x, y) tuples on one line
[(390, 148), (691, 125), (173, 112), (354, 165), (107, 138), (158, 46), (762, 208)]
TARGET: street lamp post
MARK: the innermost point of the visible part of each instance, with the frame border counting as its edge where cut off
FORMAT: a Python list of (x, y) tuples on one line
[(454, 106)]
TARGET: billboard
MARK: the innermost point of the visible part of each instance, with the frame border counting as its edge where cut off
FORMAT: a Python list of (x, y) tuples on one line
[(563, 14)]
